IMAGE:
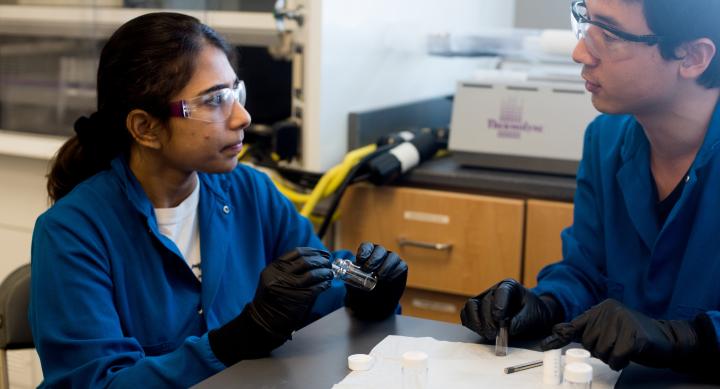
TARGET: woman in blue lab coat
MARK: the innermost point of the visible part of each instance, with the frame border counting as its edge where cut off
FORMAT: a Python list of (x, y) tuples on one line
[(162, 261), (639, 279)]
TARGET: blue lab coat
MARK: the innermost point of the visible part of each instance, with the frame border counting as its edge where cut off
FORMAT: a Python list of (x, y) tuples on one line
[(114, 303), (616, 248)]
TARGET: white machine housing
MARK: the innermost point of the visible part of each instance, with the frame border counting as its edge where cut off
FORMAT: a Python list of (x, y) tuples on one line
[(535, 126)]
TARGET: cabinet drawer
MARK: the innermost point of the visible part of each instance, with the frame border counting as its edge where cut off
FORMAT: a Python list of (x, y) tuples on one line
[(432, 305), (543, 246), (453, 242)]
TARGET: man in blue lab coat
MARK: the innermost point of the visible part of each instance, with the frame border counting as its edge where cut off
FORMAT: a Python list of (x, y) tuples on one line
[(640, 275)]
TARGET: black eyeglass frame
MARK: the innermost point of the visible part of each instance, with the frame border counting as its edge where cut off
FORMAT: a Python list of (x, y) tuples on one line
[(647, 39)]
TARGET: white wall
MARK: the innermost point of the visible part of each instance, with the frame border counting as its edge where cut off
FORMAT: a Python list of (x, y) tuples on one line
[(542, 14), (363, 54), (22, 198)]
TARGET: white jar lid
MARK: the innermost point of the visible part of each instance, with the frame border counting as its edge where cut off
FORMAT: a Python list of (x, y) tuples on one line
[(577, 354), (359, 362), (578, 372), (417, 359)]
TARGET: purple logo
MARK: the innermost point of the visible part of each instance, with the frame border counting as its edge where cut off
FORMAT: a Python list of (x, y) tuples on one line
[(510, 124)]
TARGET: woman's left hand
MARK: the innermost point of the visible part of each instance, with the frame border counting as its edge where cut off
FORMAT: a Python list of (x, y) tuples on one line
[(391, 272)]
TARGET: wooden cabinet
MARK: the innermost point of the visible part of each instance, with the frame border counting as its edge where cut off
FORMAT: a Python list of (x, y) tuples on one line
[(432, 305), (456, 244), (545, 221)]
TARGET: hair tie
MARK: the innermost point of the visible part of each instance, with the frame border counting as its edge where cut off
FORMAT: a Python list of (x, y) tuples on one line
[(88, 129)]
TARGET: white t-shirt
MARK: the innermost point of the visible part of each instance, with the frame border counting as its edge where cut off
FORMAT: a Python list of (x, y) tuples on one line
[(180, 224)]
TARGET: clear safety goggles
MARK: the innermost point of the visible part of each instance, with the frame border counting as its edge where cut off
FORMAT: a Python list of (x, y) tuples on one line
[(212, 107), (602, 40)]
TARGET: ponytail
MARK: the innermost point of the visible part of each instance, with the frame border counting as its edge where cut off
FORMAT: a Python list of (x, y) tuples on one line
[(96, 143)]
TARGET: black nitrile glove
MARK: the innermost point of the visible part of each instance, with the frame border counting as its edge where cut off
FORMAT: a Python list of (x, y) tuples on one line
[(618, 335), (285, 294), (391, 272), (529, 316)]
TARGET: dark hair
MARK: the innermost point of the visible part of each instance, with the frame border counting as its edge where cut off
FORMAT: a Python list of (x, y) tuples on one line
[(146, 61), (680, 21)]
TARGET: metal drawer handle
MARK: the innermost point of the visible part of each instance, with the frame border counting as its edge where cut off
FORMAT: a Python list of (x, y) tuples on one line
[(430, 305), (425, 245)]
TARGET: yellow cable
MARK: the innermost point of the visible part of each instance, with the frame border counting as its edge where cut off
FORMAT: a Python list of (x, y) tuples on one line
[(350, 160), (317, 220), (327, 184), (331, 180), (336, 177), (243, 151), (318, 191), (441, 153), (294, 196)]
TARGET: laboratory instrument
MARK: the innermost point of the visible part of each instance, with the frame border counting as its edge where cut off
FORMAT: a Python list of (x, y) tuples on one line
[(351, 274), (414, 370), (520, 125), (522, 366), (529, 112), (578, 376)]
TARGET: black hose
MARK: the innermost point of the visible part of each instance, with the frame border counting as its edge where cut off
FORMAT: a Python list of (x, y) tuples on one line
[(349, 179)]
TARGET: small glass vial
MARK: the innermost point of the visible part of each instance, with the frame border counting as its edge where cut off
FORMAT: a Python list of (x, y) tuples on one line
[(414, 370), (501, 340), (578, 375), (351, 274)]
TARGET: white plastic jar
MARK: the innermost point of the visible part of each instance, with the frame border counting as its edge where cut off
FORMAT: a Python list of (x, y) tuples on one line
[(577, 375), (414, 370)]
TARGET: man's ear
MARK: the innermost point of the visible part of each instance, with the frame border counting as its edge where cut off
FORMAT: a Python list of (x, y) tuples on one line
[(696, 57), (144, 128)]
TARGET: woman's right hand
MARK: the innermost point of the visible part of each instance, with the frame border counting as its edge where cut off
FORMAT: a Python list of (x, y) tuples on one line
[(288, 288)]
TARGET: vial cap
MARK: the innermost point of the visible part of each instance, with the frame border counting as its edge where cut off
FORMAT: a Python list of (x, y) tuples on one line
[(578, 372), (576, 355), (552, 354), (414, 359), (359, 362)]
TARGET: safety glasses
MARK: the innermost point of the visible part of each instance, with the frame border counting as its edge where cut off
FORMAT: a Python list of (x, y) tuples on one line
[(212, 107), (602, 40)]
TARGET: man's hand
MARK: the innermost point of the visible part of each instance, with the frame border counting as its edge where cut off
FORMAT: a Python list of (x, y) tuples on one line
[(509, 303), (617, 335)]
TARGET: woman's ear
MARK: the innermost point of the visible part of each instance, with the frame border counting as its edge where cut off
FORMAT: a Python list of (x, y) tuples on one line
[(144, 128), (696, 57)]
